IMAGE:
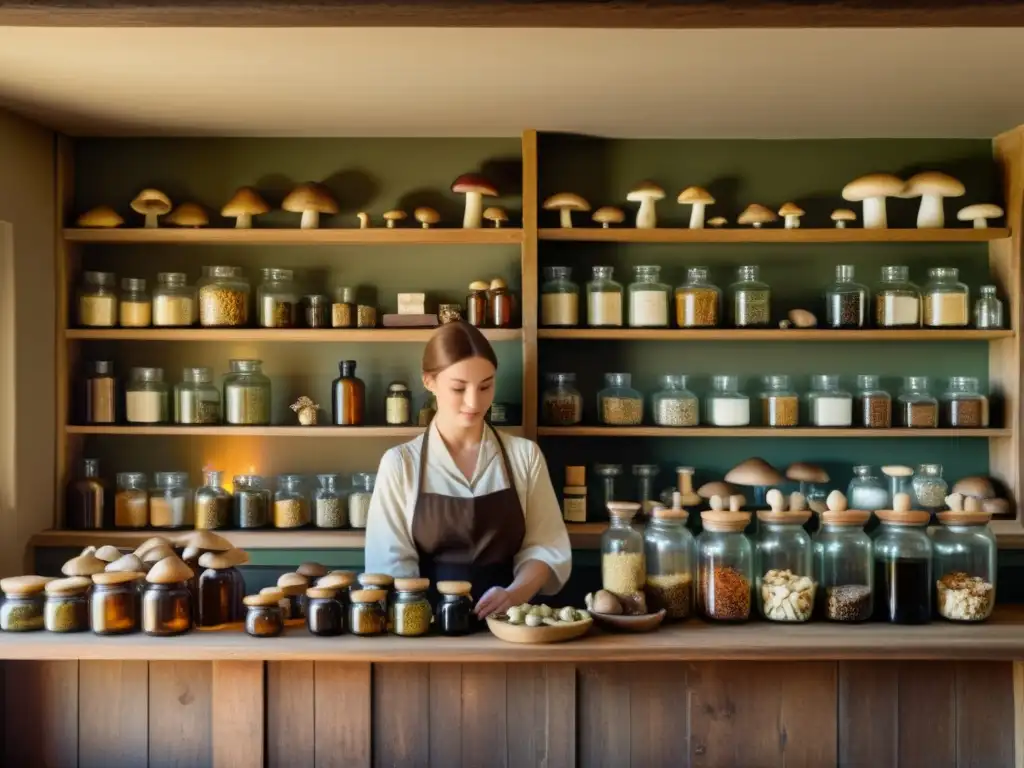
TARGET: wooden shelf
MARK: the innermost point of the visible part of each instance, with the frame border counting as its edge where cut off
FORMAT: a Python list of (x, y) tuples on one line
[(373, 236), (331, 335), (764, 432), (226, 431), (769, 334), (751, 235)]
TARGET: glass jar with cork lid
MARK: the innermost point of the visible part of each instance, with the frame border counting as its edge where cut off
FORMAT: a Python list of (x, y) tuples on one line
[(134, 310), (623, 568), (843, 563), (725, 562), (174, 301), (750, 299), (131, 500), (170, 501), (618, 403), (291, 507), (562, 403), (221, 588), (325, 616), (398, 405), (674, 405), (147, 397), (874, 404), (411, 613), (916, 406), (698, 301), (22, 609), (785, 578), (965, 561), (903, 564), (67, 605), (167, 601), (604, 299), (212, 502), (114, 604), (963, 406), (648, 298), (476, 303), (197, 398), (946, 299), (367, 614), (246, 394), (669, 555), (97, 300), (223, 298), (897, 300), (454, 612), (559, 298), (780, 404), (263, 614)]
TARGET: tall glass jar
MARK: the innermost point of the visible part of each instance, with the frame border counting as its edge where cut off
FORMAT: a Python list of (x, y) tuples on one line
[(147, 397), (277, 299), (867, 491), (329, 505), (174, 302), (97, 300), (946, 299), (167, 609), (874, 404), (916, 406), (846, 301), (559, 298), (674, 405), (903, 567), (213, 503), (348, 396), (930, 488), (398, 405), (291, 507), (220, 588), (829, 405), (623, 569), (897, 300), (170, 501), (750, 299), (99, 398), (698, 301), (785, 578), (604, 299), (476, 303), (134, 310), (562, 403), (725, 566), (963, 406), (965, 566), (988, 309), (223, 298), (131, 502), (669, 555), (618, 403), (648, 298), (251, 502), (247, 394), (359, 499), (67, 605), (343, 310), (726, 406), (780, 404), (87, 507), (196, 398), (844, 566)]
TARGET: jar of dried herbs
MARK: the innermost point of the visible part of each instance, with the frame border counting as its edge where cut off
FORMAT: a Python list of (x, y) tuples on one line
[(212, 502), (134, 309), (277, 299), (67, 605), (559, 298), (246, 394), (410, 611), (99, 398), (623, 569), (455, 610), (751, 299), (963, 406), (196, 398), (697, 300), (674, 405), (22, 609), (170, 501), (725, 566), (874, 404), (946, 299), (223, 298), (367, 615), (343, 310), (174, 302), (167, 601), (897, 300)]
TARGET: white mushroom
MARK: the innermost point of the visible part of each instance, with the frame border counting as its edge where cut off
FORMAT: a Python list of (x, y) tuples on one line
[(717, 503), (872, 191), (842, 215), (474, 187), (310, 200), (364, 219), (979, 213), (791, 212), (699, 198), (736, 502), (955, 502), (932, 187), (647, 193), (565, 203), (756, 214)]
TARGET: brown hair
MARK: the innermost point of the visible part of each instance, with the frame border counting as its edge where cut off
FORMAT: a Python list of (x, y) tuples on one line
[(454, 342)]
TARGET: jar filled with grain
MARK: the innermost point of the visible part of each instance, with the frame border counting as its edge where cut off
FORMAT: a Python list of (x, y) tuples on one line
[(367, 615), (726, 406), (366, 316), (197, 398), (134, 310), (147, 397), (897, 300), (946, 299), (329, 506), (648, 298), (750, 299), (562, 403), (604, 299), (223, 298), (623, 567), (829, 405), (359, 499), (212, 502), (88, 499), (325, 615), (618, 403), (674, 405), (115, 604), (780, 404), (22, 609), (874, 404), (669, 556), (929, 487), (67, 605), (846, 301), (99, 395), (965, 565), (915, 404), (785, 579), (97, 300), (725, 566), (247, 394), (277, 299), (250, 502), (411, 613), (843, 566), (988, 309), (174, 301), (559, 298), (398, 405), (698, 301), (476, 303), (291, 505), (131, 501), (343, 310), (316, 310), (170, 501), (963, 406)]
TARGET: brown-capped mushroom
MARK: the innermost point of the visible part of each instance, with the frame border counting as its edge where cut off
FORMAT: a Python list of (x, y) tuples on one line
[(170, 570), (188, 215), (425, 216), (756, 215), (699, 198), (496, 216), (932, 187), (977, 486), (101, 217), (754, 472), (872, 190), (608, 215), (806, 474), (151, 203), (980, 213), (791, 213), (243, 205), (715, 488), (647, 193), (393, 216), (474, 187), (108, 553), (310, 200), (842, 215), (565, 203), (718, 221)]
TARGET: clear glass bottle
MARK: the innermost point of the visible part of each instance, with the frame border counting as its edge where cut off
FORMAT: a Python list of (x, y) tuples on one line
[(67, 605), (410, 613), (348, 396), (963, 406), (277, 299), (87, 507), (698, 301), (99, 404), (897, 300), (648, 298), (329, 506), (645, 474), (97, 300), (669, 555), (726, 406), (246, 394), (988, 309), (965, 556), (725, 566), (223, 298), (903, 568), (250, 502), (867, 491), (785, 577), (359, 499), (131, 501), (114, 603), (291, 506), (174, 301), (608, 473), (170, 501), (674, 405), (930, 488), (398, 405), (197, 398), (946, 299), (562, 403), (874, 404), (623, 572), (559, 298), (780, 404), (147, 397), (750, 299), (343, 310), (846, 301), (604, 299), (316, 310), (915, 404), (844, 566), (618, 403), (134, 309), (213, 503), (829, 405)]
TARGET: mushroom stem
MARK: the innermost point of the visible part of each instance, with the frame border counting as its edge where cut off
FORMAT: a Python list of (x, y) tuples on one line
[(310, 219), (980, 223), (930, 214), (646, 217), (605, 225), (152, 220), (566, 218), (792, 222), (497, 222), (391, 224), (364, 220), (243, 221), (474, 211), (757, 225), (874, 213), (840, 225), (697, 216), (425, 225)]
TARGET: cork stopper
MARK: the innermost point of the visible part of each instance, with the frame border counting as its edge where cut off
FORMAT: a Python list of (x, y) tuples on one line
[(155, 554), (897, 470), (292, 584), (965, 517), (902, 514), (795, 517), (337, 580), (230, 558), (575, 475), (83, 565), (312, 570), (375, 580), (170, 570), (126, 563), (108, 553), (148, 544), (22, 586), (797, 501), (412, 585), (264, 599), (321, 592), (454, 587), (368, 595), (671, 514), (109, 578), (72, 585), (723, 521), (848, 518)]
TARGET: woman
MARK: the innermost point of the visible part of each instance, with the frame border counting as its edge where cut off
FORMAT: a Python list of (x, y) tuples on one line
[(461, 503)]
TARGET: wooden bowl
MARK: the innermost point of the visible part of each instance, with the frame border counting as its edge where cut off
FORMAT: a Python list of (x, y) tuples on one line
[(643, 623), (520, 633)]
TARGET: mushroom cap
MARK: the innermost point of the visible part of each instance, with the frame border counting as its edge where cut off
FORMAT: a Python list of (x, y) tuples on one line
[(755, 213), (149, 543), (479, 285), (337, 580), (228, 559), (151, 201), (897, 470), (873, 185), (718, 221), (72, 585), (807, 473), (263, 599), (979, 211), (189, 215), (312, 570), (566, 200), (692, 195), (83, 565), (170, 570), (108, 553), (292, 583), (609, 214), (426, 215), (932, 183), (473, 182), (496, 284), (246, 200), (645, 190), (395, 215), (791, 209), (715, 488), (156, 554), (976, 486), (498, 214), (754, 471), (309, 197), (127, 564), (101, 216), (208, 541), (843, 214)]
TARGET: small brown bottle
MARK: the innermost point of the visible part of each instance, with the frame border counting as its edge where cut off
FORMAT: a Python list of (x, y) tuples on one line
[(476, 304), (348, 395), (88, 504)]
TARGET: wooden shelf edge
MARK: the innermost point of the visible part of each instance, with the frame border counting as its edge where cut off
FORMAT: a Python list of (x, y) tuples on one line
[(791, 334), (296, 236), (305, 335), (766, 432), (673, 235), (229, 431)]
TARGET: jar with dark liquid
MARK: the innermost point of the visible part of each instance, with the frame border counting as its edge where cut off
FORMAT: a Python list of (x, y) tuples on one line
[(114, 603), (251, 502), (348, 395), (500, 304), (221, 588), (325, 616), (293, 587), (454, 614), (88, 505), (167, 601), (264, 617), (476, 304), (99, 395), (903, 565)]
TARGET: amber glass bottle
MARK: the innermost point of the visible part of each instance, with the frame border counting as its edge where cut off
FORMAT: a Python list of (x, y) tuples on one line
[(88, 502), (348, 396)]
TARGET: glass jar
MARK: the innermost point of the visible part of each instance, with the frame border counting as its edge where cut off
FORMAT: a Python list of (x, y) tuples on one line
[(646, 495), (562, 404), (366, 316), (131, 501), (697, 300), (454, 614), (946, 299), (750, 299), (780, 405), (343, 310), (348, 395), (170, 501), (726, 406), (398, 405), (846, 301), (246, 394), (623, 572), (97, 300), (277, 299), (212, 503), (67, 605), (196, 398), (134, 310), (674, 405), (476, 303), (618, 403), (988, 309), (785, 578), (965, 566), (22, 609), (917, 408), (166, 609), (291, 507), (903, 567), (897, 300), (874, 404), (114, 603), (223, 298), (867, 491), (499, 304), (829, 406), (963, 406), (608, 473), (367, 615), (316, 310), (99, 396), (929, 487), (725, 566), (359, 499), (147, 397), (324, 614), (648, 298), (669, 554), (559, 298), (87, 507), (220, 592), (604, 299), (843, 566), (329, 507), (411, 612), (250, 502), (174, 302), (263, 615)]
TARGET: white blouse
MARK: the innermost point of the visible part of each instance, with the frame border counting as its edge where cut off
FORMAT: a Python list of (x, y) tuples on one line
[(389, 544)]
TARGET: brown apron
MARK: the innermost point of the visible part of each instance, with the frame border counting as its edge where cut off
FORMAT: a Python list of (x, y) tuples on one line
[(474, 539)]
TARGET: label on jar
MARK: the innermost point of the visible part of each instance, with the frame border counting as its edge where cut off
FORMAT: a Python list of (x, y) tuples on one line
[(648, 309), (574, 509), (397, 410), (604, 308), (559, 309)]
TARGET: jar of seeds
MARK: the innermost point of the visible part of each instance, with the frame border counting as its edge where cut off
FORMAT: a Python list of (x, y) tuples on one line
[(366, 316), (674, 405), (946, 299), (618, 403), (329, 508), (170, 501), (623, 569), (246, 394), (963, 406), (359, 499), (930, 488), (843, 566), (223, 298), (562, 403), (250, 502), (669, 554), (343, 310), (291, 507), (97, 300), (134, 309), (22, 609), (726, 406), (264, 616), (147, 397), (174, 302), (829, 405), (277, 299), (411, 613), (697, 300), (367, 615), (648, 298), (780, 405), (212, 502), (846, 302), (604, 299), (725, 566), (67, 605), (988, 309), (874, 404), (559, 298), (750, 299), (196, 398), (131, 501), (897, 300), (917, 408), (398, 405)]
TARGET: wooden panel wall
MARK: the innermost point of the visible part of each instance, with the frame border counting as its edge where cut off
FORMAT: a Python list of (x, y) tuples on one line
[(246, 714)]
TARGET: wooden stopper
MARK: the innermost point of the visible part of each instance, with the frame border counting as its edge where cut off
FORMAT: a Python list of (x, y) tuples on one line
[(412, 585), (846, 518), (797, 501), (263, 599), (312, 570), (375, 580), (170, 570), (904, 516), (676, 514), (337, 580), (155, 554), (964, 517), (230, 558), (148, 544), (115, 577), (126, 564), (73, 585), (204, 540), (725, 521), (454, 587), (292, 583), (321, 592), (797, 517), (20, 586), (368, 595), (776, 500), (108, 553), (836, 502)]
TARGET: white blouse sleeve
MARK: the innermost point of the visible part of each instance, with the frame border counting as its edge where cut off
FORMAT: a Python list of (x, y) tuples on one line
[(546, 538), (389, 545)]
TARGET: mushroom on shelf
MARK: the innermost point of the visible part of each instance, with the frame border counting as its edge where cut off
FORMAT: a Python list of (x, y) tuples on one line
[(801, 318), (699, 198), (188, 215), (393, 216), (842, 215), (310, 200), (932, 187), (426, 217), (496, 216), (608, 215), (806, 475), (756, 214), (976, 485), (718, 221), (151, 203), (872, 191), (243, 205), (364, 219), (474, 187), (755, 473), (980, 213), (647, 193), (791, 213), (565, 203), (101, 217), (715, 488)]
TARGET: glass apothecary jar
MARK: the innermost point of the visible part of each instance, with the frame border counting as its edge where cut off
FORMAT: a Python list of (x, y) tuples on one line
[(223, 298), (780, 404), (946, 299), (147, 397), (348, 396), (247, 394), (99, 397), (846, 301), (67, 605), (411, 613), (562, 403), (559, 298), (114, 603), (88, 501), (174, 301), (476, 303), (500, 304), (197, 398), (359, 499), (674, 405), (785, 578), (316, 310), (669, 556), (915, 404), (263, 614), (213, 503), (988, 309), (930, 488), (867, 491), (167, 609), (844, 566), (220, 588), (623, 569), (725, 566), (964, 550), (329, 506), (343, 310), (648, 298), (277, 299), (750, 299), (963, 406), (131, 500), (829, 405), (22, 609), (170, 501), (454, 614), (618, 403), (250, 502), (134, 310), (645, 493), (897, 300), (97, 300), (398, 405), (604, 299), (325, 616), (726, 406), (874, 404), (291, 506), (903, 565), (367, 614), (698, 301)]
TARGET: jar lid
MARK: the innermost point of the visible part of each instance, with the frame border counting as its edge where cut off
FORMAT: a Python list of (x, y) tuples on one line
[(670, 514), (368, 595), (723, 521), (312, 570), (626, 509), (316, 299), (962, 517), (904, 517), (158, 553), (292, 584), (266, 598), (170, 570), (575, 475), (337, 580), (479, 285), (846, 517), (412, 585), (322, 593), (454, 587), (102, 367), (397, 386), (788, 517), (73, 585), (222, 560), (20, 586), (375, 580), (111, 578)]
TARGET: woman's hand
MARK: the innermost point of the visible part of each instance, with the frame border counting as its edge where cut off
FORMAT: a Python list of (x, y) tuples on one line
[(495, 600)]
